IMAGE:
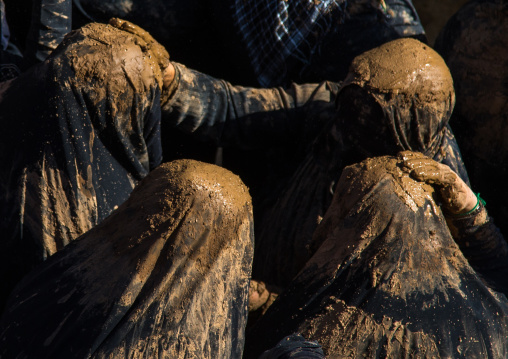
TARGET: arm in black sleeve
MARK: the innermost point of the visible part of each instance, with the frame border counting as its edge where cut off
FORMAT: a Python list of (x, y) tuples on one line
[(51, 21), (214, 110), (484, 246)]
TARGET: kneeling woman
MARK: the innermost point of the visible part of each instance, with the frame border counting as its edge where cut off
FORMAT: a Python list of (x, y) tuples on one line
[(388, 280)]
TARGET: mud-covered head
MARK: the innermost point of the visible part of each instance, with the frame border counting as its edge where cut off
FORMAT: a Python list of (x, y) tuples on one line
[(216, 200), (112, 74), (398, 96), (117, 60)]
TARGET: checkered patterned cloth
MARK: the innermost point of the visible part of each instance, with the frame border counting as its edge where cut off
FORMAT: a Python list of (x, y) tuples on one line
[(274, 30)]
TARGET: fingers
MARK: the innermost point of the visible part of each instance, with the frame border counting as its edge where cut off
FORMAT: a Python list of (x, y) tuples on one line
[(427, 170), (158, 51), (456, 196), (258, 295), (431, 172), (410, 155), (116, 22), (132, 28)]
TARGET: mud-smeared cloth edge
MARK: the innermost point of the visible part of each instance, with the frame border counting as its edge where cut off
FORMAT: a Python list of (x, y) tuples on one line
[(294, 346)]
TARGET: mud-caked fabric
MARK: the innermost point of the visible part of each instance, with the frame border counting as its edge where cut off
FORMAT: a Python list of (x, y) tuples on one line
[(276, 125), (88, 135), (410, 124), (285, 227), (387, 279), (165, 276), (294, 347), (216, 111), (474, 41)]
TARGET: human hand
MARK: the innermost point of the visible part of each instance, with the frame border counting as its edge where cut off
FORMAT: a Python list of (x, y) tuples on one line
[(261, 296), (455, 194), (148, 44)]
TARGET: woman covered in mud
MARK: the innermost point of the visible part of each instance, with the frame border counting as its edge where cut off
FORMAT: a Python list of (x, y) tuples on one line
[(165, 276), (167, 273), (388, 280), (90, 134)]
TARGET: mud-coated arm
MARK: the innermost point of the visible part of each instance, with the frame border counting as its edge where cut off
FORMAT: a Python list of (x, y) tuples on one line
[(484, 246), (479, 239), (214, 110)]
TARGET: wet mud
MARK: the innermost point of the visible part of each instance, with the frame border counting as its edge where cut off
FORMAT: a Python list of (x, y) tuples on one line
[(127, 54), (403, 67)]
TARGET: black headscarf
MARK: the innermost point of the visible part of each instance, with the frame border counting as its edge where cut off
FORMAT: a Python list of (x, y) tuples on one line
[(396, 97)]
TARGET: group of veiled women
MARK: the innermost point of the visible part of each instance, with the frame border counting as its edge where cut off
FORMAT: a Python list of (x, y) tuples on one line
[(359, 216)]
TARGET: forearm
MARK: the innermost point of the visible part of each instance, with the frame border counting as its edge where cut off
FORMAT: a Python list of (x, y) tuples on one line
[(228, 115), (484, 246), (51, 21)]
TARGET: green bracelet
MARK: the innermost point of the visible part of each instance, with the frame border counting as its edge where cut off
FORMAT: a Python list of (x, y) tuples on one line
[(479, 200)]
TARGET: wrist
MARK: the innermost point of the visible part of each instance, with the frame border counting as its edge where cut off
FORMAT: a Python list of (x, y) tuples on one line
[(473, 206), (171, 78), (168, 75)]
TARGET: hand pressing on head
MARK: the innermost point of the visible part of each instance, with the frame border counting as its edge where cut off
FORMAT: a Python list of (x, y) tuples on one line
[(455, 195), (163, 69)]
